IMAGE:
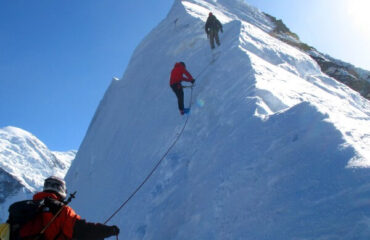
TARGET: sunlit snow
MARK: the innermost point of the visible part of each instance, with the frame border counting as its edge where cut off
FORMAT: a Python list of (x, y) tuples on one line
[(273, 149)]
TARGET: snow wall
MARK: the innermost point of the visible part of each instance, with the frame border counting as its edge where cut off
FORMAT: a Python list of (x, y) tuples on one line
[(273, 148)]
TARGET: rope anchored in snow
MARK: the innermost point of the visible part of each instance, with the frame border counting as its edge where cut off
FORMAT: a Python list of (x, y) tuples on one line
[(163, 157)]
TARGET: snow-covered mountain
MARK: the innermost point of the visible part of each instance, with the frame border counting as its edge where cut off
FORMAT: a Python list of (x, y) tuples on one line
[(273, 148), (24, 164)]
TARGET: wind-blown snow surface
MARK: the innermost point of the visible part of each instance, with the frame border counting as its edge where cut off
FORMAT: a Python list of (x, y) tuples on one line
[(274, 149)]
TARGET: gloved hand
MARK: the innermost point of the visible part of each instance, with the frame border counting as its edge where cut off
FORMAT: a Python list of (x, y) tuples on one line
[(192, 81), (53, 204), (114, 230)]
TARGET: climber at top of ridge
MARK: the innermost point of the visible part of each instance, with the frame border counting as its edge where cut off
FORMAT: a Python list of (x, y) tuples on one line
[(212, 27)]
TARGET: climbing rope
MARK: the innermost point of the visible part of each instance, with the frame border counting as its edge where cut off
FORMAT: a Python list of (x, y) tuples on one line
[(163, 157), (156, 166)]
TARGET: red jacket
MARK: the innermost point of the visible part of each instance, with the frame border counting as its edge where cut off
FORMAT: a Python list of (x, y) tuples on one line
[(62, 225), (177, 74)]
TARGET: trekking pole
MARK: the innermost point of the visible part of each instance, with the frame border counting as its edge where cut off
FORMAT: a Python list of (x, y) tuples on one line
[(71, 196)]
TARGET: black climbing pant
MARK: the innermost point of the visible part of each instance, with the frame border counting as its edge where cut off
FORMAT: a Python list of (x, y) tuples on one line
[(177, 89)]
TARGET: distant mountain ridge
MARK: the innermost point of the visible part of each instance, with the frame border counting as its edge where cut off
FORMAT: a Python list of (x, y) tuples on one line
[(356, 78), (25, 162)]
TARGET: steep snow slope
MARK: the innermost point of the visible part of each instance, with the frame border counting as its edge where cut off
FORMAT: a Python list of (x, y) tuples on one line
[(274, 149), (24, 164)]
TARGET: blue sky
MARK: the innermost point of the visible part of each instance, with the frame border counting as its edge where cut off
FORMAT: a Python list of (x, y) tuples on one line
[(57, 57)]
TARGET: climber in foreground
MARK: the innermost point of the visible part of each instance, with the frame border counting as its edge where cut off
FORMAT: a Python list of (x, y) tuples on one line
[(177, 76), (59, 221), (212, 27)]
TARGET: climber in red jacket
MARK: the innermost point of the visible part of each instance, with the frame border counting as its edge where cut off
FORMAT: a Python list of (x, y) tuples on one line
[(177, 76), (67, 224)]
